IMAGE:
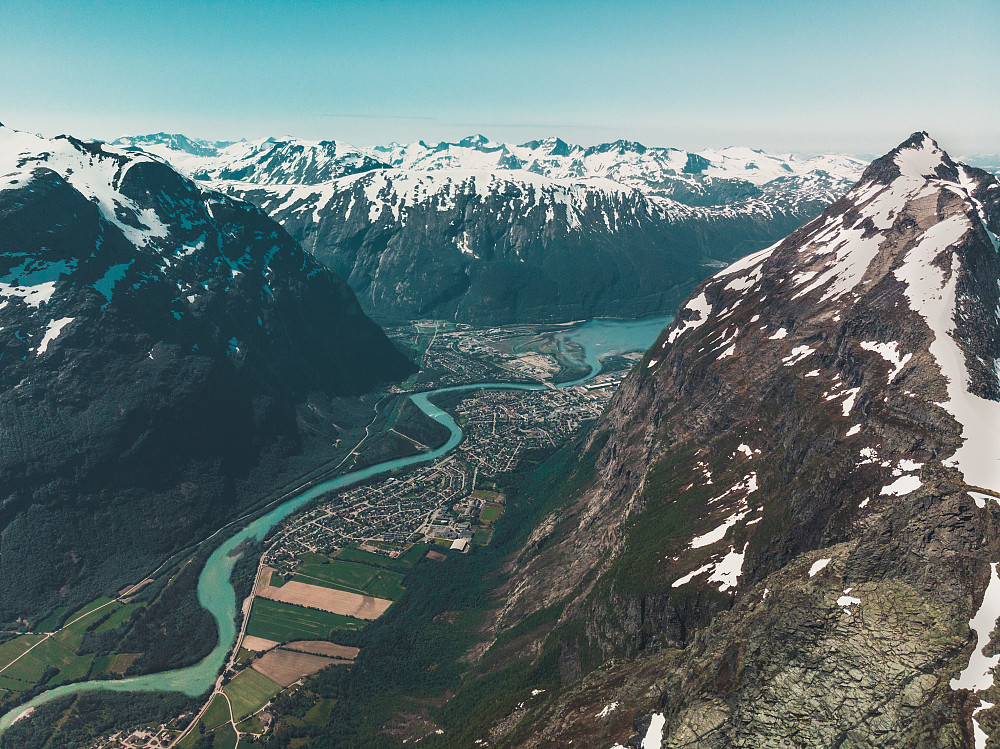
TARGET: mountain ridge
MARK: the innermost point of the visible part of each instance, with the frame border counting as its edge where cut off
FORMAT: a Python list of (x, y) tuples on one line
[(163, 352), (791, 525), (493, 233)]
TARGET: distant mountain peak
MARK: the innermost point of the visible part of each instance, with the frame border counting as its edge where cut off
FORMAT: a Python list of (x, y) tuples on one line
[(475, 141), (620, 146)]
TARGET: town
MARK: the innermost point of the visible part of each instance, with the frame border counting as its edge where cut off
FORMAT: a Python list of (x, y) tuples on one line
[(449, 502)]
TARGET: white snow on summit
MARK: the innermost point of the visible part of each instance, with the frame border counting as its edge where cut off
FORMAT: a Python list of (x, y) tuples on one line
[(715, 183)]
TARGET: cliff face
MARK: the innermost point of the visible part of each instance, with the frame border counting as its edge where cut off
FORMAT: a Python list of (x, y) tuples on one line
[(793, 515), (157, 345)]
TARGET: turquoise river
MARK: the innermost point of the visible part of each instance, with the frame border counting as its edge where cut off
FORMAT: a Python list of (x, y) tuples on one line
[(597, 339)]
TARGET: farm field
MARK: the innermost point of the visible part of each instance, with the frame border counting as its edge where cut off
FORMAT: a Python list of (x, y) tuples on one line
[(285, 667), (217, 713), (225, 738), (258, 644), (351, 576), (319, 647), (281, 622), (51, 653), (32, 659), (324, 598), (120, 663), (248, 692)]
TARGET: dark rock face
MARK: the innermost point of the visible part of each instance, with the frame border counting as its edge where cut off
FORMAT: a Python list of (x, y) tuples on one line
[(157, 343), (781, 547)]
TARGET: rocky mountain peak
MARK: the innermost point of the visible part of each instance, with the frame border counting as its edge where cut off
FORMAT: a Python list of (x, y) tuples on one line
[(915, 159)]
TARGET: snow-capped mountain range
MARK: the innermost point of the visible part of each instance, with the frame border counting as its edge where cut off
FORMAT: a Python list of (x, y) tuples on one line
[(265, 162), (687, 178), (694, 179), (491, 232)]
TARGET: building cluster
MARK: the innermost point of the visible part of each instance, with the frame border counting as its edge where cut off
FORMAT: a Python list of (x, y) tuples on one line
[(458, 354), (145, 737)]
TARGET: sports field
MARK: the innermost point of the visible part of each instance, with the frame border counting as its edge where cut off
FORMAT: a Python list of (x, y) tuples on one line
[(490, 513)]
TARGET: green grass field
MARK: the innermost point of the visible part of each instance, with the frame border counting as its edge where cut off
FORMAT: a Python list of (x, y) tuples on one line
[(402, 563), (49, 623), (249, 692), (284, 622), (253, 724), (60, 650), (225, 738), (490, 513), (72, 634), (217, 713), (487, 495), (101, 665), (11, 684), (50, 652), (192, 738), (119, 617), (92, 606), (13, 648), (483, 536), (356, 578), (319, 714)]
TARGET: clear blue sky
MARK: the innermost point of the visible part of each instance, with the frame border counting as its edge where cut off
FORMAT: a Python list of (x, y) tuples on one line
[(801, 76)]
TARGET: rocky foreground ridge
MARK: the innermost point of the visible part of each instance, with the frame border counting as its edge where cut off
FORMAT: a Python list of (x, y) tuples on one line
[(791, 534), (490, 232), (158, 346)]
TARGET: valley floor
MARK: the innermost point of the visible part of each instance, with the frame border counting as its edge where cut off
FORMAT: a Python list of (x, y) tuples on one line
[(339, 564)]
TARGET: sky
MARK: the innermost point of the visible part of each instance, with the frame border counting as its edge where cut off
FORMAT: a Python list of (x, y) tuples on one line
[(805, 76)]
